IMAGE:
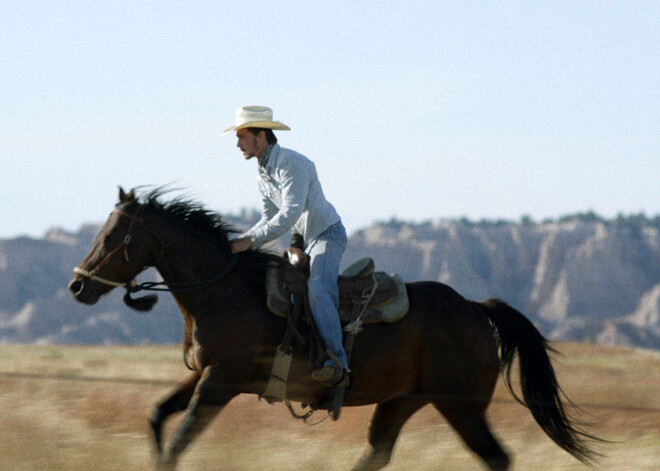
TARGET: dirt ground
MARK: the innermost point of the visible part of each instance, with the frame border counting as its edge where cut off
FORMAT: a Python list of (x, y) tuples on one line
[(81, 408)]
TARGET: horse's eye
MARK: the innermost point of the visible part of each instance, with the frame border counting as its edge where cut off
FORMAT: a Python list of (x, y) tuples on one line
[(110, 240)]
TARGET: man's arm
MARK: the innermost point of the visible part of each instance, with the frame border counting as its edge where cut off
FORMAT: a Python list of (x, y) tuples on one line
[(241, 244), (268, 210), (295, 185)]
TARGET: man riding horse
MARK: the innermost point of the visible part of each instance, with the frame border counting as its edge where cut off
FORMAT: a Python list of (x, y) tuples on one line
[(293, 200)]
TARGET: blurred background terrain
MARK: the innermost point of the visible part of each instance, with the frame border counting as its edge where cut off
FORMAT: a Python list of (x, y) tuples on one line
[(579, 278)]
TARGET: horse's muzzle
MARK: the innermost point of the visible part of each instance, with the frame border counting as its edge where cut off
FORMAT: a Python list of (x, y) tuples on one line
[(83, 290)]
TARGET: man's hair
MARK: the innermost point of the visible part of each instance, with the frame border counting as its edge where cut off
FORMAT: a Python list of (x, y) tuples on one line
[(270, 135)]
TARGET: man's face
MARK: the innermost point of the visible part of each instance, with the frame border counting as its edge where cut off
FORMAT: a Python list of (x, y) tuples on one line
[(251, 145)]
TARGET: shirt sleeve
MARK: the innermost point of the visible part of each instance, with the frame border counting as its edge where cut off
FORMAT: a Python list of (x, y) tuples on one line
[(266, 213), (294, 180)]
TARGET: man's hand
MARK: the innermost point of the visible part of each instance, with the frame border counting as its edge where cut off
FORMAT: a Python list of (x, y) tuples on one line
[(241, 244)]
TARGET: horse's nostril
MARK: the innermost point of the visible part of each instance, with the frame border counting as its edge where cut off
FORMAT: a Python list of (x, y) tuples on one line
[(75, 286)]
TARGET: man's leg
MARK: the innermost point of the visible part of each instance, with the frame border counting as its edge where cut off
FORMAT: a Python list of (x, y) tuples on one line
[(325, 257)]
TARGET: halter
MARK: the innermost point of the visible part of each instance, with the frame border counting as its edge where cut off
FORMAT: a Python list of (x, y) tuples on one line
[(132, 286)]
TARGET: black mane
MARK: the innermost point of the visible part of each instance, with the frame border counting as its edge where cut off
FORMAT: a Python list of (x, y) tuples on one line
[(195, 215), (191, 214)]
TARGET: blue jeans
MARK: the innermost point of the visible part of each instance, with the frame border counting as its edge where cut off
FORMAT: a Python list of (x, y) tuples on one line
[(325, 256)]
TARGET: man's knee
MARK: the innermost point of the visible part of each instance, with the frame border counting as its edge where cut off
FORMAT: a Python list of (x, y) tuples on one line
[(321, 295)]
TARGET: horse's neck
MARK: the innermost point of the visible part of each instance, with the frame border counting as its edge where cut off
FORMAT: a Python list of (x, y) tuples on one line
[(188, 259)]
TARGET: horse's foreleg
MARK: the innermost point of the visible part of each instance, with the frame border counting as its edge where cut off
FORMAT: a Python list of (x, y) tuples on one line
[(174, 402), (208, 400), (385, 426)]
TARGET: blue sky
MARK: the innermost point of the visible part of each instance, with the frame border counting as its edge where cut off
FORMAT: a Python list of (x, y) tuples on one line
[(419, 110)]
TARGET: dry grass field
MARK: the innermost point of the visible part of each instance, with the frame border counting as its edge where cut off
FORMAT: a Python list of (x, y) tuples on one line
[(84, 408)]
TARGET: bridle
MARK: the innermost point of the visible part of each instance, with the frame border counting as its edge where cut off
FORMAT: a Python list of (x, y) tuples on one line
[(132, 286), (124, 245)]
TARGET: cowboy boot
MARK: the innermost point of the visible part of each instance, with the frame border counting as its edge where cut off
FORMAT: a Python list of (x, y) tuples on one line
[(329, 375)]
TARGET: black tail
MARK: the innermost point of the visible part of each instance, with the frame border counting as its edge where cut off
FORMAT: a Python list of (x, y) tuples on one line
[(542, 394)]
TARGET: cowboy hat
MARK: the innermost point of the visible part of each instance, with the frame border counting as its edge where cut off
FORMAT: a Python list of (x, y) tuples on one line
[(255, 117)]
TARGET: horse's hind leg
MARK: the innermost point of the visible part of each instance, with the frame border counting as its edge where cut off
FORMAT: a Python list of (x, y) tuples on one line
[(174, 402), (469, 420), (385, 426)]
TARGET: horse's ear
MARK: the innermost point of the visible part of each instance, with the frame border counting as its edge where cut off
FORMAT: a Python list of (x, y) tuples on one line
[(126, 197)]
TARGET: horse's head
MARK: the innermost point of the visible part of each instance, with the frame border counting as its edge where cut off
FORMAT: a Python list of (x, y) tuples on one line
[(123, 248)]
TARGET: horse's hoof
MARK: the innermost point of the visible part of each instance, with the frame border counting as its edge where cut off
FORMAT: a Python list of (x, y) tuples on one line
[(372, 461), (165, 463)]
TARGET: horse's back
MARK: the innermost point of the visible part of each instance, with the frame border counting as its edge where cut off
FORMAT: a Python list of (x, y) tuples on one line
[(442, 310)]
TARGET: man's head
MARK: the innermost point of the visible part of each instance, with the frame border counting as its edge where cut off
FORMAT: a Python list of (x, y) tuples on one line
[(255, 117), (254, 129), (253, 141)]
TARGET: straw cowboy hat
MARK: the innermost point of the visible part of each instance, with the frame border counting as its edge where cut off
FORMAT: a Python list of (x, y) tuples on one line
[(255, 117)]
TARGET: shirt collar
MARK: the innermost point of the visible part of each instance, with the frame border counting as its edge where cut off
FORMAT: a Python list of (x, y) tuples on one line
[(263, 159)]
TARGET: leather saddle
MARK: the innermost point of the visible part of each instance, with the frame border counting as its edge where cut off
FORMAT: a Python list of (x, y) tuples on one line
[(364, 294)]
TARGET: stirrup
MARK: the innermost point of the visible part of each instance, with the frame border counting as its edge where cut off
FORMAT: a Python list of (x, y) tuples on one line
[(339, 376), (329, 375)]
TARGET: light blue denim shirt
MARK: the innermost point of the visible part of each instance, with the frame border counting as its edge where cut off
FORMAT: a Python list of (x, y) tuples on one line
[(292, 199)]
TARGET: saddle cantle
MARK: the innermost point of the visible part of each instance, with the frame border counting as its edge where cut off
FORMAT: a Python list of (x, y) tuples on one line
[(373, 296)]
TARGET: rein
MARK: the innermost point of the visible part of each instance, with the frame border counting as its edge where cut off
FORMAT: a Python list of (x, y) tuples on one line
[(132, 286), (178, 287)]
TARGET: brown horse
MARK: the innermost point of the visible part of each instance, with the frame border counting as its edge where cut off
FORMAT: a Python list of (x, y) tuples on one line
[(443, 352)]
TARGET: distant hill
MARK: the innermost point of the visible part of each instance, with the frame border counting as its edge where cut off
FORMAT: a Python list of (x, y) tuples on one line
[(578, 278)]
